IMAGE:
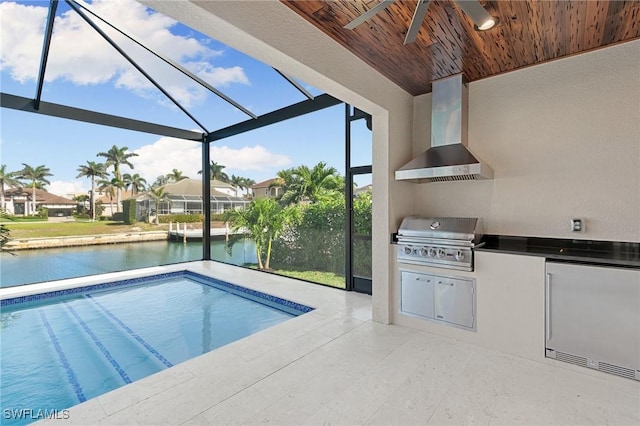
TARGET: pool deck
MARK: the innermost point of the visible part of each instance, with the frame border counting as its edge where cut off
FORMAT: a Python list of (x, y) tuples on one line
[(335, 366)]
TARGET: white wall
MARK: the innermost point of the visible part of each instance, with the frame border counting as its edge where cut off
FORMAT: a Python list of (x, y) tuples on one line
[(564, 141)]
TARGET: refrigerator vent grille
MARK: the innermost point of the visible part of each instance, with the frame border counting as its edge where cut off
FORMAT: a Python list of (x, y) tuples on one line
[(577, 360), (617, 370), (601, 366)]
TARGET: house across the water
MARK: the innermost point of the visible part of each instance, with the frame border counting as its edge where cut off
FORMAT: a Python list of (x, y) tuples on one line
[(19, 202)]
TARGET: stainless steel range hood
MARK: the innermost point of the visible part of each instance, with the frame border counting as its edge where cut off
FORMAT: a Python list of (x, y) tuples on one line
[(448, 158)]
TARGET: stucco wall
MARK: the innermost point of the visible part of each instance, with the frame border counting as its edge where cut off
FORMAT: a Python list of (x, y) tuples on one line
[(564, 141)]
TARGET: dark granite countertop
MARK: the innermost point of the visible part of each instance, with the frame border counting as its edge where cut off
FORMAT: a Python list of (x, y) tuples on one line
[(613, 253)]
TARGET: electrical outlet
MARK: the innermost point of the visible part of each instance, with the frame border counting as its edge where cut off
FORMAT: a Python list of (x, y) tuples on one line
[(576, 225)]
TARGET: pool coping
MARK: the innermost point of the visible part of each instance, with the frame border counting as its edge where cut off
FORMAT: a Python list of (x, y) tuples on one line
[(257, 296)]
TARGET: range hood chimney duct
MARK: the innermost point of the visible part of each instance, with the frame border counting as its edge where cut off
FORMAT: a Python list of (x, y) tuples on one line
[(448, 159)]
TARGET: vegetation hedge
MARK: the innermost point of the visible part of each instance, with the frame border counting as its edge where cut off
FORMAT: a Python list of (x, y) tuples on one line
[(317, 241), (182, 218), (189, 218), (129, 211)]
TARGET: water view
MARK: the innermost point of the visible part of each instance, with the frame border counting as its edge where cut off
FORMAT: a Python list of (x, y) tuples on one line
[(32, 266)]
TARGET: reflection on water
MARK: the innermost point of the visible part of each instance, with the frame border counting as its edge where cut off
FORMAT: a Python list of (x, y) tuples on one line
[(31, 266)]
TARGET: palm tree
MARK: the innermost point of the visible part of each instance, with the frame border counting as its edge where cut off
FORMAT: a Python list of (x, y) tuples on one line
[(262, 221), (107, 186), (5, 233), (159, 195), (160, 181), (38, 177), (248, 183), (135, 181), (217, 172), (176, 176), (305, 184), (92, 170), (115, 158), (7, 178), (237, 182)]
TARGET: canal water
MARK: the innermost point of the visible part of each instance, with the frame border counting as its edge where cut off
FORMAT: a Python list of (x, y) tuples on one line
[(32, 266)]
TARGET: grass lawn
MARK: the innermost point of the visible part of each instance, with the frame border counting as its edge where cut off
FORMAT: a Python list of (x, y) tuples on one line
[(64, 229), (328, 278)]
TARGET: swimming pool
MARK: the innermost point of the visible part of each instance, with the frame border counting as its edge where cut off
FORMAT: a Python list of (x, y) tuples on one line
[(64, 347)]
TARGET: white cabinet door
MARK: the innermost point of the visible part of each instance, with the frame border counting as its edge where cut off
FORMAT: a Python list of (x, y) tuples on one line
[(417, 294), (454, 301)]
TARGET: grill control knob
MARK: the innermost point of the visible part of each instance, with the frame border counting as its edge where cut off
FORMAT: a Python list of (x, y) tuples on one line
[(432, 252), (459, 255), (424, 252), (407, 250), (440, 253)]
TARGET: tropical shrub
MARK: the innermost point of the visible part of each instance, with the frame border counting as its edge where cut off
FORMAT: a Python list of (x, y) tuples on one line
[(317, 241), (264, 220), (5, 233), (181, 217), (129, 211)]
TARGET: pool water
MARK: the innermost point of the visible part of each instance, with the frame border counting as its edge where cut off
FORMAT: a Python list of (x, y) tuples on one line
[(58, 351)]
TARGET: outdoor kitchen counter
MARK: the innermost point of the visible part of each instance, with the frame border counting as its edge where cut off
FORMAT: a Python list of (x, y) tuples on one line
[(613, 253)]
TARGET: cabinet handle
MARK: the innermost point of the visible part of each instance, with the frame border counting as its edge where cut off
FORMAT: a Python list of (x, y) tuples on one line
[(547, 313)]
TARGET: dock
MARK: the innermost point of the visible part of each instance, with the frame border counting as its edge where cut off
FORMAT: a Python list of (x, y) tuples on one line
[(180, 232)]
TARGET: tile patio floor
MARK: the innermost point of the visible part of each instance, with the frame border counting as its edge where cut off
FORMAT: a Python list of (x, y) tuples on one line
[(334, 366)]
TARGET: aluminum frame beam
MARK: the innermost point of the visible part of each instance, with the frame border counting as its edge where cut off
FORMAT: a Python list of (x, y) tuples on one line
[(301, 108), (46, 44), (295, 84), (20, 103)]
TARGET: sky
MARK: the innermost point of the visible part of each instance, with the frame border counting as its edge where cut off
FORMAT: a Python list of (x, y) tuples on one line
[(84, 71)]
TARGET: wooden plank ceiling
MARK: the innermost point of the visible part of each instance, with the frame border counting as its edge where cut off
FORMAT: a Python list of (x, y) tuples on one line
[(530, 32)]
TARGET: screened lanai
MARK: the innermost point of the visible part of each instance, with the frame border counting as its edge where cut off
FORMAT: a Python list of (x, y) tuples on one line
[(273, 98)]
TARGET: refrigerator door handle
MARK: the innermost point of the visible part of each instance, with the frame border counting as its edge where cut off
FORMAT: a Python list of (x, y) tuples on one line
[(547, 313)]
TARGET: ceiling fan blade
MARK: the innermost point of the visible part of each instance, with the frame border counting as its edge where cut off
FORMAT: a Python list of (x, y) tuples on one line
[(368, 14), (416, 22)]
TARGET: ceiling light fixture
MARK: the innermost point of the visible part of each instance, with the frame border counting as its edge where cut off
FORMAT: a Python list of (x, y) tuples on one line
[(478, 14), (472, 8)]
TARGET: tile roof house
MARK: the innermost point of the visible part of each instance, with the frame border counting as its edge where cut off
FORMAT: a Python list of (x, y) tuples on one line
[(18, 201), (266, 189), (186, 198)]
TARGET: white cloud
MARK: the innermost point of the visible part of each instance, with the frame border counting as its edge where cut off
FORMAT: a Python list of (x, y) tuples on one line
[(247, 158), (66, 188), (79, 55), (167, 154)]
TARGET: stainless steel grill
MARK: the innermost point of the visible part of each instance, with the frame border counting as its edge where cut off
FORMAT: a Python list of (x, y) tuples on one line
[(444, 242)]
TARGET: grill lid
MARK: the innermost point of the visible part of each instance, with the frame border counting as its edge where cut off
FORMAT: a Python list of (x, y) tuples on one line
[(449, 228)]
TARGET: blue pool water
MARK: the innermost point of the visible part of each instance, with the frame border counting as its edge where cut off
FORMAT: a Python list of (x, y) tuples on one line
[(32, 266), (62, 348)]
